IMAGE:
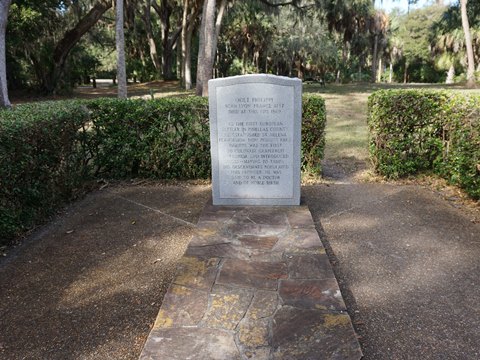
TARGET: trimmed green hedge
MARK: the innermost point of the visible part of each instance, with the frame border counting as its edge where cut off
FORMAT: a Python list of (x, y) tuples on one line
[(41, 161), (49, 150), (418, 130), (166, 138), (314, 119)]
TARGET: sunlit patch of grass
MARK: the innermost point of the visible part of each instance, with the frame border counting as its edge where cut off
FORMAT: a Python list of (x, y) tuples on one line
[(346, 130)]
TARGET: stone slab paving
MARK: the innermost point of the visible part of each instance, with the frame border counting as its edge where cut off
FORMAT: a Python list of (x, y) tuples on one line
[(254, 283)]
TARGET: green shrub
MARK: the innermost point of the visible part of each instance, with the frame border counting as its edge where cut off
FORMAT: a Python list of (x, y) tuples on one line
[(48, 150), (417, 130), (461, 150), (40, 161), (314, 119), (164, 138), (405, 131)]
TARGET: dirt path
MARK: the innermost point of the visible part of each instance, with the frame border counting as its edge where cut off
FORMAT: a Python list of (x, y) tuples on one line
[(404, 255)]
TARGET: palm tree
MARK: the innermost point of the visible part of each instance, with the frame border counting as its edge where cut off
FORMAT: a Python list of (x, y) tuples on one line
[(378, 27), (450, 47), (394, 51)]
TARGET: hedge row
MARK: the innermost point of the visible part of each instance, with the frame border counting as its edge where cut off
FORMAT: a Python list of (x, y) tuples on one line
[(314, 119), (163, 139), (49, 150), (418, 130), (41, 161)]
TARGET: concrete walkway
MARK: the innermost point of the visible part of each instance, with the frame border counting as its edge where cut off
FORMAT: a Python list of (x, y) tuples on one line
[(255, 282)]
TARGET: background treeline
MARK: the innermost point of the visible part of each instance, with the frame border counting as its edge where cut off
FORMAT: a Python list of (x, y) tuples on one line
[(54, 45)]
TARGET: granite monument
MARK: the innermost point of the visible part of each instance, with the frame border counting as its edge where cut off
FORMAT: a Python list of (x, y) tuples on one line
[(255, 133)]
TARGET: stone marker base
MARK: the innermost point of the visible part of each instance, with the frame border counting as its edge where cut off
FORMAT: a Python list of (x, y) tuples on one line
[(255, 282)]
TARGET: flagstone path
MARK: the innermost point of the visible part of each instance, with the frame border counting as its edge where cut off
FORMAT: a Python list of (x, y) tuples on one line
[(255, 282)]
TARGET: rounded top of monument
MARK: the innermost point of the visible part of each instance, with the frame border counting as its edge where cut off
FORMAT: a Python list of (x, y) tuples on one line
[(256, 78)]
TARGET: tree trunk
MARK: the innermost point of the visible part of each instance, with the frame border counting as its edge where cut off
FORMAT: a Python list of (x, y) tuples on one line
[(299, 66), (188, 59), (244, 58), (164, 12), (468, 45), (290, 65), (70, 39), (360, 65), (120, 42), (167, 52), (379, 72), (209, 33), (218, 25), (188, 26), (178, 58), (151, 41), (184, 48), (338, 78), (405, 73), (374, 58), (205, 59), (4, 101), (450, 75), (256, 57), (168, 41), (390, 76), (167, 64)]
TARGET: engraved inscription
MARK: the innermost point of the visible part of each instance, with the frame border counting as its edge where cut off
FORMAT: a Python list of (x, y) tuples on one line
[(255, 141)]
